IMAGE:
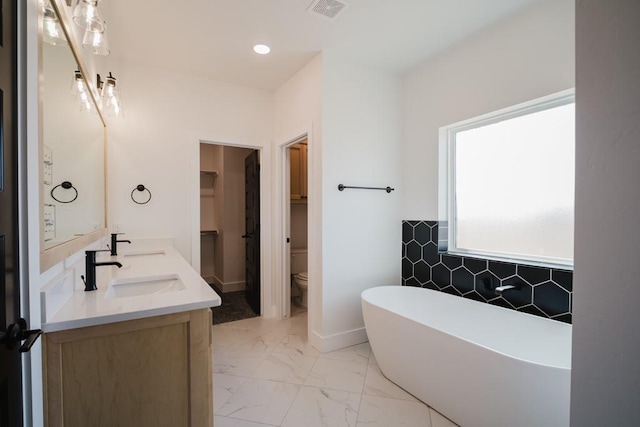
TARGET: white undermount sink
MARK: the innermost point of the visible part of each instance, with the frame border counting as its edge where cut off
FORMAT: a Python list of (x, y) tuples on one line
[(145, 253), (124, 287)]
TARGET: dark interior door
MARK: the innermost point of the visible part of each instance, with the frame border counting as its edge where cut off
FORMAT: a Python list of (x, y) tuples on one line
[(252, 229), (10, 360)]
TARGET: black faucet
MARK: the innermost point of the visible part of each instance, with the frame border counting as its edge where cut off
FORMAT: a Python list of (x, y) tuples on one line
[(90, 269), (114, 243)]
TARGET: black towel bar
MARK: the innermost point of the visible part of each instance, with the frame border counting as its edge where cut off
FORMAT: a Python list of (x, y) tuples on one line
[(341, 187)]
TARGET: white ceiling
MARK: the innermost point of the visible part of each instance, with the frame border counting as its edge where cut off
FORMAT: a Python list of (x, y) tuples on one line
[(214, 38)]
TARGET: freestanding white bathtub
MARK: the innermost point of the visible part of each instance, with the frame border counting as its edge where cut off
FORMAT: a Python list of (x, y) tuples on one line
[(478, 364)]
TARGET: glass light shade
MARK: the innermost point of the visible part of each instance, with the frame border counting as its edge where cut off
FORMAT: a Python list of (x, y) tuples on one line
[(112, 107), (84, 100), (81, 93), (115, 109), (86, 13), (95, 39), (77, 84), (110, 97), (52, 30), (109, 87)]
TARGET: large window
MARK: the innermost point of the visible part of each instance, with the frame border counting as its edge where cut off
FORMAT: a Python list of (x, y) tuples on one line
[(507, 183)]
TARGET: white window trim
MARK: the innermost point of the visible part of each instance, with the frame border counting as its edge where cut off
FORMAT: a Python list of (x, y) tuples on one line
[(446, 178)]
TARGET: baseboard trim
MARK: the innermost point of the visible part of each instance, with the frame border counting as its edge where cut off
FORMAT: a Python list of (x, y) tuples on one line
[(233, 286), (339, 340), (225, 287)]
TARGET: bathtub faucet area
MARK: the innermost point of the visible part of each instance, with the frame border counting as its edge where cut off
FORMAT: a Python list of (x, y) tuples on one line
[(500, 289)]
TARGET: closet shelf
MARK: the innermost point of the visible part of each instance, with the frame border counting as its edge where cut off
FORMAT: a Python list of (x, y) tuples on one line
[(208, 232), (207, 183)]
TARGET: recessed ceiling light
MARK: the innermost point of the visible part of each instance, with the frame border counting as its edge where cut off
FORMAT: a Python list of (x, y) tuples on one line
[(262, 49)]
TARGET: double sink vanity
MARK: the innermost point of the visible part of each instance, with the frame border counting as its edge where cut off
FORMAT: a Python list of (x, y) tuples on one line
[(135, 351)]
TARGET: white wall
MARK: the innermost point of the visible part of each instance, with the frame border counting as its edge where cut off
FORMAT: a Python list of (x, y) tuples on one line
[(298, 105), (606, 338), (522, 58), (353, 114), (154, 144), (361, 229)]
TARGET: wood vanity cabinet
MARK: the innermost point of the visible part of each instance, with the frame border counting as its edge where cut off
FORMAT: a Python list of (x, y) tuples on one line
[(298, 173), (155, 371)]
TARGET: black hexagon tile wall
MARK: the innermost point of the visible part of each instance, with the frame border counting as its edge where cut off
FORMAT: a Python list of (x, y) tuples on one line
[(544, 292)]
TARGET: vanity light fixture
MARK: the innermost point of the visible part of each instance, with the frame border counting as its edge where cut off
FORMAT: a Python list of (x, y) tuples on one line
[(261, 49), (80, 92), (107, 89), (77, 85), (95, 39), (86, 12), (86, 15), (52, 30), (110, 96)]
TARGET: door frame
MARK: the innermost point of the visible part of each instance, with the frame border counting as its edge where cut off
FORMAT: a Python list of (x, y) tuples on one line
[(267, 308), (23, 10), (30, 380), (284, 264), (282, 224)]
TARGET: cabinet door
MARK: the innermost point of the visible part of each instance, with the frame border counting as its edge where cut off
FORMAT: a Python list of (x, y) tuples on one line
[(295, 163), (298, 173), (146, 373)]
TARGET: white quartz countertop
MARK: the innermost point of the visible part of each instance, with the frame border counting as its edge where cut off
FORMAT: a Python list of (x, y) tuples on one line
[(75, 308)]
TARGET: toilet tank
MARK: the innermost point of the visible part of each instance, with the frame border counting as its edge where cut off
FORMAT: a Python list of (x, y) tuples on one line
[(298, 261)]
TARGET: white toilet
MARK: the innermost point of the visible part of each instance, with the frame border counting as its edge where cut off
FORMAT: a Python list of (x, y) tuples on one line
[(299, 272)]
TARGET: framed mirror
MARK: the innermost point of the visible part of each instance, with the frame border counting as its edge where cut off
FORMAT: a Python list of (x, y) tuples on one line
[(72, 147)]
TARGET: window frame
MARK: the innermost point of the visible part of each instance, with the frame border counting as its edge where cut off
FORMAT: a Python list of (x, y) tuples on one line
[(447, 174)]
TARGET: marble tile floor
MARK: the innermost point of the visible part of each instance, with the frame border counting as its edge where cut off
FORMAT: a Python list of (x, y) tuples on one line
[(265, 374)]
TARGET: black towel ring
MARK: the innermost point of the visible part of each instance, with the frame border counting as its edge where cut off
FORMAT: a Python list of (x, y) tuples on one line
[(66, 185), (140, 188)]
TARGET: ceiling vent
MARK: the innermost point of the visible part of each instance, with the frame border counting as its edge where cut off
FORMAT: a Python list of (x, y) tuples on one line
[(329, 9)]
